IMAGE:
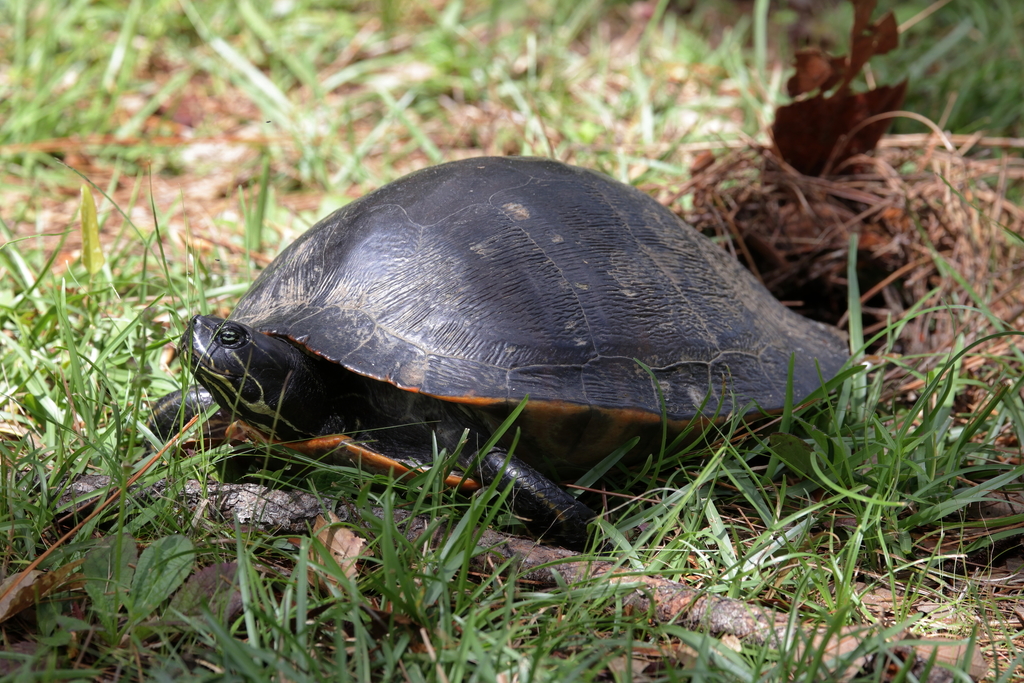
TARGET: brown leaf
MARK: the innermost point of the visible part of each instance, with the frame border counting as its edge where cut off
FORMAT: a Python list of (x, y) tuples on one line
[(862, 11), (955, 655), (31, 585), (817, 134), (22, 650), (732, 642), (887, 35), (189, 110), (24, 589), (876, 39), (815, 69), (212, 589), (343, 545), (628, 668), (806, 133)]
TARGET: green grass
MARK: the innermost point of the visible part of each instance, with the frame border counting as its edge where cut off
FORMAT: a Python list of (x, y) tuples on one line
[(848, 499)]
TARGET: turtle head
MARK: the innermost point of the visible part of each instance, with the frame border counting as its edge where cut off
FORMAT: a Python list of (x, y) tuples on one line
[(267, 382)]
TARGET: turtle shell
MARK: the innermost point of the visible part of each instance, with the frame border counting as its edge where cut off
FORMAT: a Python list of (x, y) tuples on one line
[(487, 280)]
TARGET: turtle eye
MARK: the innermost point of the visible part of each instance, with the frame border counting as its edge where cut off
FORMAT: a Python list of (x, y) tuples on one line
[(231, 337)]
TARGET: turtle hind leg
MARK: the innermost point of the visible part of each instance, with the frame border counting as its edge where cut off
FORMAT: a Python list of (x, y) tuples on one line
[(547, 510)]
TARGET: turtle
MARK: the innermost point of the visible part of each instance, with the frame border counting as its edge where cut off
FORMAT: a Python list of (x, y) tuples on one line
[(434, 306)]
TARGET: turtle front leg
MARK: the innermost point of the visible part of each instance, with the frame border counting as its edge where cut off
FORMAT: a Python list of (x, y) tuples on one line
[(547, 510), (175, 409)]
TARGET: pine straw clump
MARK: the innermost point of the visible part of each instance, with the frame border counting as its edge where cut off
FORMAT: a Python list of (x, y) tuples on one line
[(939, 244)]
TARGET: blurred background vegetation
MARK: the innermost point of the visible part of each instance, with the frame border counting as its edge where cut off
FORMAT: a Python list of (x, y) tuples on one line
[(316, 73)]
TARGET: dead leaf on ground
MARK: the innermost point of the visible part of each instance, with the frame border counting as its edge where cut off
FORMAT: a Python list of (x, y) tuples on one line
[(869, 39), (955, 655), (897, 662), (998, 504), (384, 624), (213, 589), (815, 69), (18, 652), (627, 667), (817, 134), (344, 546), (732, 642), (24, 589)]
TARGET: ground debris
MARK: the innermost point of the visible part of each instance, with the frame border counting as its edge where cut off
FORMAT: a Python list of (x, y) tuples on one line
[(541, 566), (938, 249)]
